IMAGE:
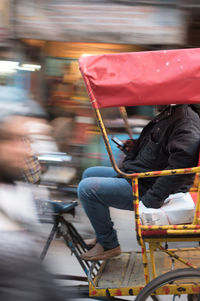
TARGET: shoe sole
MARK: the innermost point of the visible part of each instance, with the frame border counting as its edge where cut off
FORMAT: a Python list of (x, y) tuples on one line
[(102, 257)]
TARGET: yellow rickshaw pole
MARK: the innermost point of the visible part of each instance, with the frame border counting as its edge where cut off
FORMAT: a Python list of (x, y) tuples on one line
[(125, 118)]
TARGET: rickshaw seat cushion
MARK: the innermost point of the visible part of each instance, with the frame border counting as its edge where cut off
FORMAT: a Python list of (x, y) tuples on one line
[(155, 234)]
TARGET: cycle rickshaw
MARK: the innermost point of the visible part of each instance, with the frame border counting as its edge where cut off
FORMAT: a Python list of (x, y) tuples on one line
[(142, 78)]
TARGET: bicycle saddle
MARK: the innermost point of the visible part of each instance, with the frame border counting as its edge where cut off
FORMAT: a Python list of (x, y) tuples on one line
[(61, 207), (52, 207)]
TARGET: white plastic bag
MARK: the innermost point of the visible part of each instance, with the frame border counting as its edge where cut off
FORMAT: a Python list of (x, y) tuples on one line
[(178, 208)]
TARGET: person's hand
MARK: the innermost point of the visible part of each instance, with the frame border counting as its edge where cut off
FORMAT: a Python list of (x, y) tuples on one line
[(128, 145)]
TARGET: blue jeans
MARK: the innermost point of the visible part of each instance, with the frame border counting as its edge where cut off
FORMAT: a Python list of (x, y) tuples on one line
[(98, 190)]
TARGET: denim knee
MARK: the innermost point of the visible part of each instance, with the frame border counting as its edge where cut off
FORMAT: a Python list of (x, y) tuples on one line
[(87, 189), (86, 173)]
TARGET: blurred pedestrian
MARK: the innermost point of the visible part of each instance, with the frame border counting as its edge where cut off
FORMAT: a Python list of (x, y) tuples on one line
[(22, 277)]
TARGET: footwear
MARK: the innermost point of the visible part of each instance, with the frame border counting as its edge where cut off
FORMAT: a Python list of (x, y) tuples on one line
[(90, 242), (98, 253)]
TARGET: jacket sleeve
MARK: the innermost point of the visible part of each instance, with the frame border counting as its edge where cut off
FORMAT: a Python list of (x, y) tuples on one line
[(183, 150)]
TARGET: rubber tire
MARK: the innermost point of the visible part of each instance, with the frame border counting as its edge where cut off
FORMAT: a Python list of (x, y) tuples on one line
[(193, 297), (166, 278)]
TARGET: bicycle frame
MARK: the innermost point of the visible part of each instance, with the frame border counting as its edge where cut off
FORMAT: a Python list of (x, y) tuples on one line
[(74, 241)]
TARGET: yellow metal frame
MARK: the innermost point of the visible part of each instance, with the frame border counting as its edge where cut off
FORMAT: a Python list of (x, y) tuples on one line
[(173, 232), (170, 289)]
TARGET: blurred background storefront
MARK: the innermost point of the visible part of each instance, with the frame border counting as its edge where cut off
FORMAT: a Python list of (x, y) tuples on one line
[(45, 38)]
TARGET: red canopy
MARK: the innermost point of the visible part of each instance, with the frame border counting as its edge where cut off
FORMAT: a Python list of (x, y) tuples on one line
[(143, 78)]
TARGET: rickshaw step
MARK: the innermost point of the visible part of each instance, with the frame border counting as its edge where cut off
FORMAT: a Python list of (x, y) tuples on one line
[(127, 269)]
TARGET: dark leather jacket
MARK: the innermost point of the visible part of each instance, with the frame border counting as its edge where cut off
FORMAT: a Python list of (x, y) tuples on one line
[(171, 140)]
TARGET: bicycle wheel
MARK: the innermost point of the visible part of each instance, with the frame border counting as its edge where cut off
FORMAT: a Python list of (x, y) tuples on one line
[(180, 279)]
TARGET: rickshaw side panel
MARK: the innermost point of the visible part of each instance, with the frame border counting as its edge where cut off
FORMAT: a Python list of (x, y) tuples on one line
[(142, 78)]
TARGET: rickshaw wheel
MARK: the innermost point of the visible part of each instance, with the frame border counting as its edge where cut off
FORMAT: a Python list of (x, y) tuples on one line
[(155, 298), (190, 276), (193, 297)]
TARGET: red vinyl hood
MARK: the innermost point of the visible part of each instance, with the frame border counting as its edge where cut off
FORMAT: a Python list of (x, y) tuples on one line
[(142, 78)]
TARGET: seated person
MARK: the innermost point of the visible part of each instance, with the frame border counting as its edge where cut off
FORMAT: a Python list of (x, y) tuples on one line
[(170, 141)]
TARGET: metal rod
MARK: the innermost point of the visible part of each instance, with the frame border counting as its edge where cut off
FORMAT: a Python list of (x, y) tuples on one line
[(49, 240), (125, 118), (172, 254), (70, 277)]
